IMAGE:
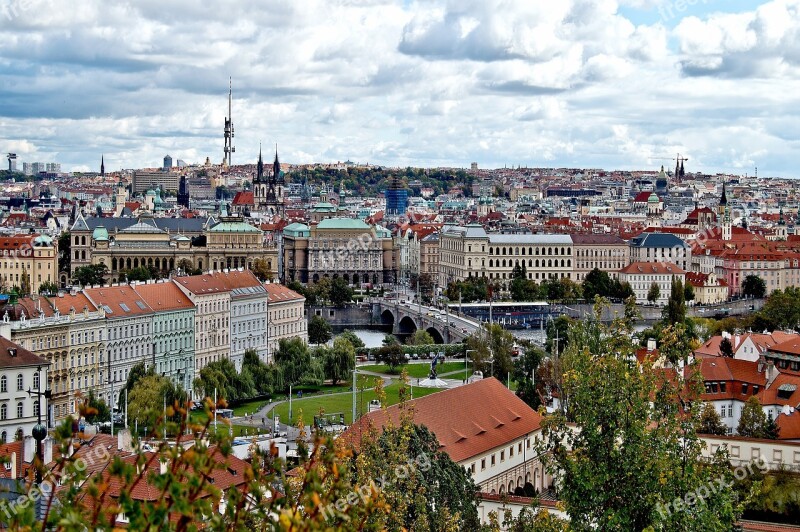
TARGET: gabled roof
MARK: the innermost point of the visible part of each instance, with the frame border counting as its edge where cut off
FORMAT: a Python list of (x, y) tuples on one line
[(80, 224), (657, 240), (118, 301), (661, 268), (22, 357), (164, 296), (467, 420)]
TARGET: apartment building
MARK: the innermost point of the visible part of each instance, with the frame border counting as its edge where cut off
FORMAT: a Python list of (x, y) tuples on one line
[(212, 301), (642, 275), (286, 317), (20, 370), (34, 257), (607, 253)]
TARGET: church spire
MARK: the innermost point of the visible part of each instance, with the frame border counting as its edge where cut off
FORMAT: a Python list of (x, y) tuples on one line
[(102, 166), (276, 165), (724, 199), (260, 166)]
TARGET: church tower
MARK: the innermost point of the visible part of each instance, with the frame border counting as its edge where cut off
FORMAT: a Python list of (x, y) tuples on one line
[(723, 201), (280, 182), (781, 233), (183, 192), (102, 166), (260, 185), (727, 229)]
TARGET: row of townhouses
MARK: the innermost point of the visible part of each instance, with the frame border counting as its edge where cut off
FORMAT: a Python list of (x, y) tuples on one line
[(89, 340)]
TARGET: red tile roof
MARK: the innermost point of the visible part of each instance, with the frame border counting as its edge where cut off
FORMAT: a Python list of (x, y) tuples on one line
[(278, 293), (164, 296), (121, 301), (653, 268), (467, 420), (22, 357)]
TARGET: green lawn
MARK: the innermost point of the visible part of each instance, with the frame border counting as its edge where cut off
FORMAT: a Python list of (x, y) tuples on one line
[(418, 370), (341, 403)]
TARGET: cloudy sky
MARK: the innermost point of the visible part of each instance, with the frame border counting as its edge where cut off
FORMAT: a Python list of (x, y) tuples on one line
[(585, 83)]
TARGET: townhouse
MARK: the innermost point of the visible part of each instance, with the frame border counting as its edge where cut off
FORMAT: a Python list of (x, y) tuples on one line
[(20, 370)]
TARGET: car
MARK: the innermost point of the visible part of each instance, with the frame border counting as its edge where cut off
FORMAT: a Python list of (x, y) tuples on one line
[(415, 356), (407, 356)]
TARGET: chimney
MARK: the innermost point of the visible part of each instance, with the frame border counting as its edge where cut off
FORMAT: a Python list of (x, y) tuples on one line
[(163, 466), (124, 441), (761, 363), (736, 339), (47, 450), (772, 372), (13, 466), (651, 345), (29, 449)]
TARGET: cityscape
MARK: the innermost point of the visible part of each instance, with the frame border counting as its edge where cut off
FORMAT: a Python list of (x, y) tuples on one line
[(400, 266)]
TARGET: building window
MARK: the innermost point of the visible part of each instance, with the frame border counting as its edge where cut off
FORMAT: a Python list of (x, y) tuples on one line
[(19, 382), (493, 461), (3, 411), (36, 381), (20, 409), (3, 384)]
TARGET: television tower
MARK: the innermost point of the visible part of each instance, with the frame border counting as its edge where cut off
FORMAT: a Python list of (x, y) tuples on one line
[(229, 148)]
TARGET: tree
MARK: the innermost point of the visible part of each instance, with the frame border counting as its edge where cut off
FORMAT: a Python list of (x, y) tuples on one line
[(339, 361), (558, 334), (340, 292), (654, 293), (433, 493), (186, 266), (351, 337), (420, 337), (25, 287), (146, 399), (623, 290), (726, 348), (64, 252), (307, 292), (98, 409), (597, 283), (710, 422), (781, 310), (140, 273), (94, 274), (675, 311), (753, 421), (48, 288), (520, 287), (137, 372), (635, 451), (491, 349), (754, 286), (391, 355), (688, 292), (262, 269), (319, 330), (294, 360), (524, 372), (322, 289)]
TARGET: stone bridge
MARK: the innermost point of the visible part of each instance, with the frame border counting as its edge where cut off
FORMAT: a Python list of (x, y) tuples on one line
[(407, 318)]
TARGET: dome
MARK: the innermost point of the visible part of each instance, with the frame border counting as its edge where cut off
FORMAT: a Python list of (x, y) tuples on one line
[(653, 198), (100, 234)]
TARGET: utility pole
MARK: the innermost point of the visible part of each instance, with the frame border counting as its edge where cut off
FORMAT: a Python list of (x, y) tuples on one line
[(39, 432)]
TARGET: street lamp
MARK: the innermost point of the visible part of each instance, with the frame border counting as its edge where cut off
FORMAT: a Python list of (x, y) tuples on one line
[(466, 358), (39, 432)]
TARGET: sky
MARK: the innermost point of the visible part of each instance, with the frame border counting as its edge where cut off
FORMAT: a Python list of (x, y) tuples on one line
[(614, 84)]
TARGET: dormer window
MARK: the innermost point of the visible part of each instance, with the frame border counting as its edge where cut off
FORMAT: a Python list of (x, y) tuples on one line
[(745, 386)]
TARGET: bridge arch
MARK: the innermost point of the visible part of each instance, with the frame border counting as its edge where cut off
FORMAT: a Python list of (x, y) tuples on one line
[(387, 317), (435, 334), (407, 325)]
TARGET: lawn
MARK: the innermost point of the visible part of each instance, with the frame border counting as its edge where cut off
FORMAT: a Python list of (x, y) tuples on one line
[(342, 403), (418, 370)]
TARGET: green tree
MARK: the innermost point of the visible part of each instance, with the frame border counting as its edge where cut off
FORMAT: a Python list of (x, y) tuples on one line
[(675, 311), (433, 493), (710, 422), (420, 337), (25, 286), (294, 360), (630, 458), (623, 290), (391, 355), (524, 374), (340, 292), (48, 288), (319, 330), (322, 289), (654, 293), (351, 337), (726, 347), (781, 310), (520, 286), (597, 283), (98, 409), (557, 332), (140, 273), (186, 266), (307, 292), (261, 269), (339, 361), (754, 286), (753, 421), (94, 274), (64, 252), (491, 348), (688, 292), (137, 372), (146, 400)]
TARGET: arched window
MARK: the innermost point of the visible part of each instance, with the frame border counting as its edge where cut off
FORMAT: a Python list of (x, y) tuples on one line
[(20, 410), (3, 412), (19, 382), (36, 381), (3, 384), (83, 241), (3, 437)]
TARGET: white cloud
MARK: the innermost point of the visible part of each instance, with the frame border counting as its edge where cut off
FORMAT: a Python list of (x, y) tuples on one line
[(434, 82)]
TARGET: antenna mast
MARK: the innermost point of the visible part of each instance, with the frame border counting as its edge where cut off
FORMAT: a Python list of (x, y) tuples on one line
[(229, 148)]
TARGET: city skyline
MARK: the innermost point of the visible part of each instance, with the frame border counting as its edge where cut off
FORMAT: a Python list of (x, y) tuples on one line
[(614, 85)]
